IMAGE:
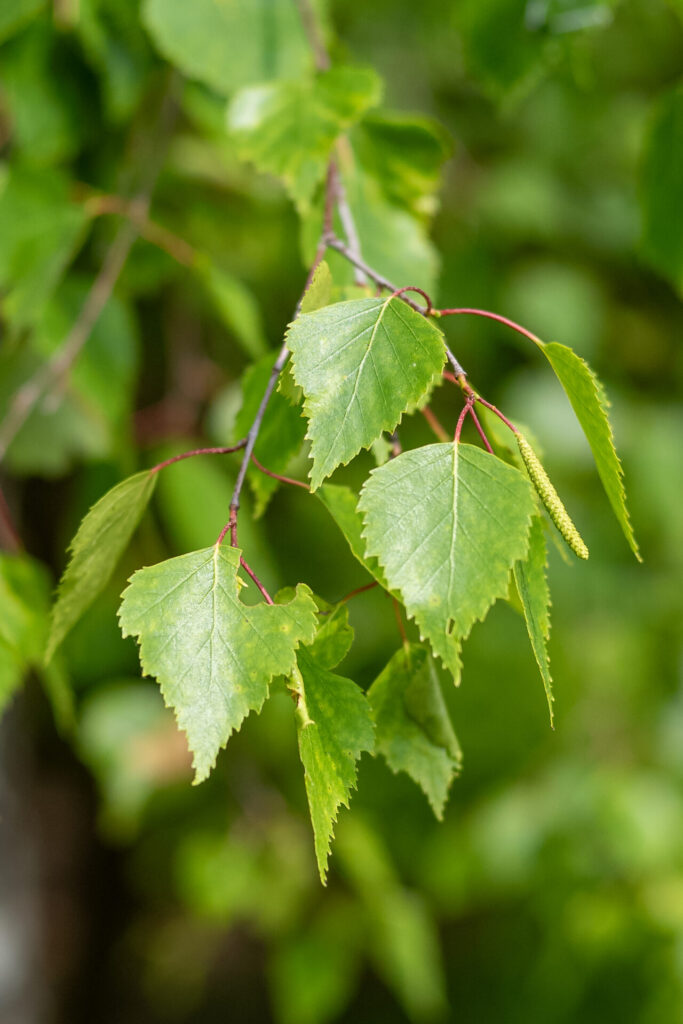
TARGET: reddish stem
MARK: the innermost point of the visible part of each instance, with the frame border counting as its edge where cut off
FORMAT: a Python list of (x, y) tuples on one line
[(198, 451), (247, 568), (231, 526), (433, 422), (358, 590), (497, 412), (399, 620), (411, 288), (277, 476), (493, 316), (13, 538), (461, 419), (482, 433)]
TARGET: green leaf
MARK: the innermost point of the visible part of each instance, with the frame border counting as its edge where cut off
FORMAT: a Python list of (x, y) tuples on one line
[(334, 635), (447, 522), (236, 306), (532, 587), (24, 600), (319, 291), (99, 543), (342, 504), (289, 128), (413, 730), (361, 365), (589, 402), (14, 14), (212, 655), (41, 230), (116, 46), (230, 44), (405, 154), (335, 727), (282, 430), (662, 173)]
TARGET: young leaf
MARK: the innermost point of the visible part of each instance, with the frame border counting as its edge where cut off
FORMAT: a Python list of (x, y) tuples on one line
[(335, 727), (99, 543), (588, 399), (361, 365), (288, 128), (212, 655), (229, 45), (282, 430), (413, 730), (447, 522), (532, 587)]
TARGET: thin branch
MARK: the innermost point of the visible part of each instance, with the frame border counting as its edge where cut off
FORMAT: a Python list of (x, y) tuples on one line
[(342, 247), (461, 419), (493, 316), (399, 621), (347, 220), (7, 528), (177, 248), (198, 451), (277, 476), (481, 431), (358, 590), (314, 35), (247, 568), (433, 422)]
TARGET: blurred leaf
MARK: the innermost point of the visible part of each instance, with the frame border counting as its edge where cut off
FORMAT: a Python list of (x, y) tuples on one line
[(464, 521), (413, 730), (95, 550), (589, 402), (115, 45), (289, 128), (335, 727), (532, 586), (236, 306), (342, 504), (24, 599), (131, 744), (405, 153), (229, 45), (41, 231), (282, 432), (212, 655), (662, 189), (361, 364), (14, 14)]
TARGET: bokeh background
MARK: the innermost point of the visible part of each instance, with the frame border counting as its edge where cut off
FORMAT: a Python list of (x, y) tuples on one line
[(553, 890)]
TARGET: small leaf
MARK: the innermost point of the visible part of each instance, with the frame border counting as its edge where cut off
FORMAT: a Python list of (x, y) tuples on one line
[(588, 399), (288, 128), (212, 655), (99, 543), (413, 730), (532, 586), (447, 522), (361, 365), (335, 727)]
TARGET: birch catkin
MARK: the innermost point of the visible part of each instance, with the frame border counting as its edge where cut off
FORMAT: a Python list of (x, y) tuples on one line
[(551, 498)]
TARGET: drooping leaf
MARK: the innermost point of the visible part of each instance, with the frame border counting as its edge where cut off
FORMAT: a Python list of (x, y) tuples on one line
[(96, 548), (361, 365), (413, 730), (532, 587), (447, 522), (288, 128), (228, 45), (282, 432), (212, 655), (335, 727), (334, 634), (661, 189), (589, 402)]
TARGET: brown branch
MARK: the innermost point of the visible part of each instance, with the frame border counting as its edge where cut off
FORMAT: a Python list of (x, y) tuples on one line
[(198, 451), (277, 476), (177, 248)]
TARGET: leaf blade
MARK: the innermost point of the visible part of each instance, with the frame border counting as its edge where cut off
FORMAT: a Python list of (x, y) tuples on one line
[(532, 587)]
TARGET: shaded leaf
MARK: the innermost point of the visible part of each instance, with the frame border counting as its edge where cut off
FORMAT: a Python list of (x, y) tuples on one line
[(335, 727), (361, 365), (24, 600), (589, 402), (447, 522), (212, 655), (14, 14), (413, 730), (236, 306), (532, 587), (342, 504), (662, 189), (96, 548)]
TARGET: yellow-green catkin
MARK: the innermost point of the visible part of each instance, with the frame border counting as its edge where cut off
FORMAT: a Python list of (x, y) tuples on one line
[(551, 498)]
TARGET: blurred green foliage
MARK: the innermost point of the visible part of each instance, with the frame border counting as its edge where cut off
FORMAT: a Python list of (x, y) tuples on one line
[(553, 890)]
